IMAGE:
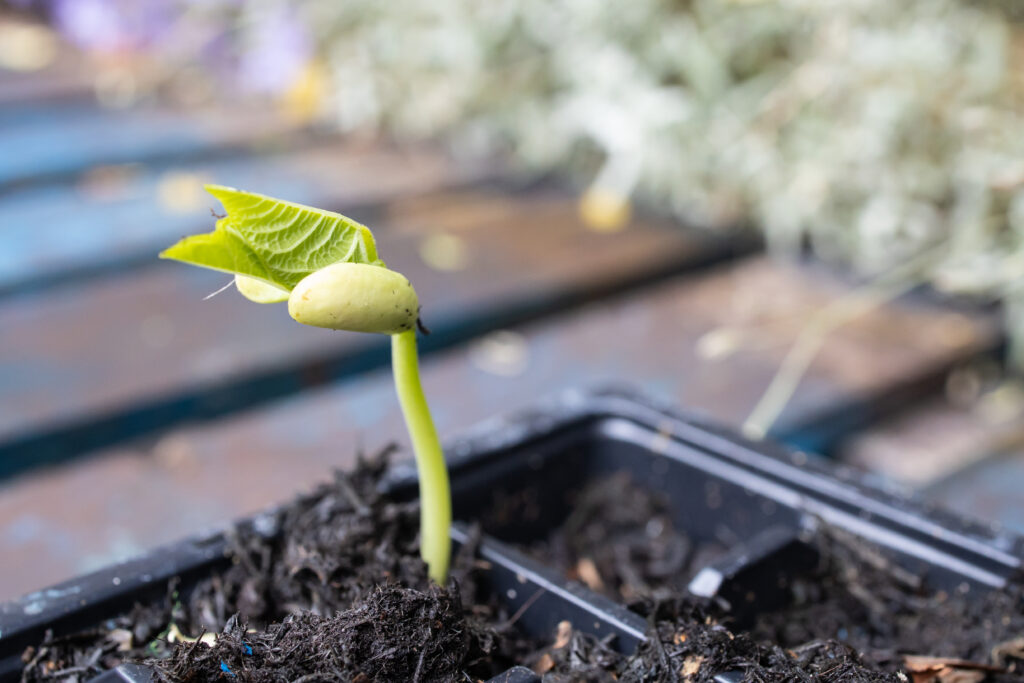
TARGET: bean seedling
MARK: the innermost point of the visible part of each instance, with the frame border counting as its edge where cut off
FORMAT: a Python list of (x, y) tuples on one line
[(326, 267)]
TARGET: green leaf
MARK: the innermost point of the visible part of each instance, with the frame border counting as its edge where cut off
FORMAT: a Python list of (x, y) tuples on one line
[(275, 241)]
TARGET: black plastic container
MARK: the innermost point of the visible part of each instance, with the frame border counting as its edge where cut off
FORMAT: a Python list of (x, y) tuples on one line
[(770, 500)]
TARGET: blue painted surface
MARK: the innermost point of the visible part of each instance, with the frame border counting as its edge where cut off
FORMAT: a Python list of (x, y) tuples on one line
[(63, 138), (992, 489), (53, 230), (224, 354), (647, 339), (262, 355), (13, 117)]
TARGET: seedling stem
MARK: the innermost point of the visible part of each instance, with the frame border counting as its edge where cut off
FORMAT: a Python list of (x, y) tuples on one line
[(435, 498)]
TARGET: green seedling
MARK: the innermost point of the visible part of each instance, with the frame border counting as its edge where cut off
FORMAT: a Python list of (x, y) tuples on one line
[(326, 267)]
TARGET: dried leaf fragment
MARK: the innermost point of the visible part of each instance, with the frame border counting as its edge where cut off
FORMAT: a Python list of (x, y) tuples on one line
[(545, 664), (946, 670), (691, 665), (123, 638), (1007, 649), (587, 571), (563, 634)]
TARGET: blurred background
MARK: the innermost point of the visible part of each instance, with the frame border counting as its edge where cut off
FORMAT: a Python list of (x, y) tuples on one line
[(804, 219)]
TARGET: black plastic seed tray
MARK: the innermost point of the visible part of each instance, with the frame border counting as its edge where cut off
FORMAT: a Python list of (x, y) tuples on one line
[(762, 501)]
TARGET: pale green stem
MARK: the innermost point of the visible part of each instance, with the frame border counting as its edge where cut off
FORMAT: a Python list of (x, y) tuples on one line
[(435, 497)]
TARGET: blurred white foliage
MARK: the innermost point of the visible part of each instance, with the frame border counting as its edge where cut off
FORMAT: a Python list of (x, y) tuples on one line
[(873, 129)]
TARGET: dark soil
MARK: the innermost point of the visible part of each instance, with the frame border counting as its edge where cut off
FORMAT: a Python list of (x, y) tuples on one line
[(620, 540), (330, 588), (693, 646), (857, 596), (854, 617), (334, 589), (432, 641)]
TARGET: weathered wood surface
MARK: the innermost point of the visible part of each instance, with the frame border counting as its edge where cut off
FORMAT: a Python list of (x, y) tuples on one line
[(934, 440), (57, 121), (89, 512), (86, 364), (965, 452), (44, 141), (117, 216), (989, 488)]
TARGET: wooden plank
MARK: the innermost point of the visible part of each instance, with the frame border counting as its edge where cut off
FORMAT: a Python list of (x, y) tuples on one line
[(132, 498), (930, 442), (58, 116), (964, 452), (54, 123), (124, 215), (85, 365), (989, 488), (44, 141)]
